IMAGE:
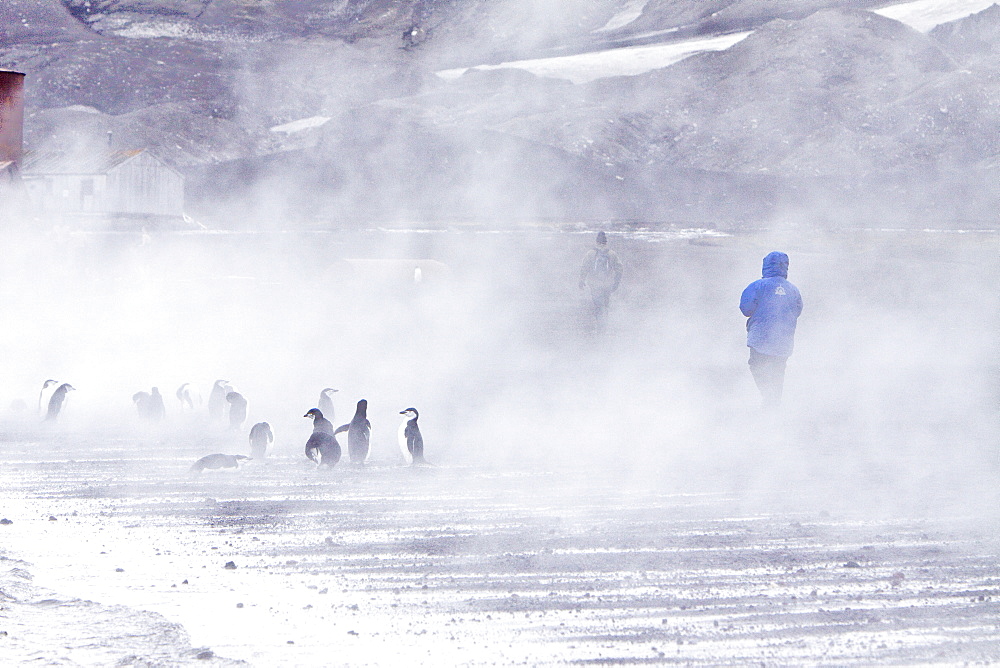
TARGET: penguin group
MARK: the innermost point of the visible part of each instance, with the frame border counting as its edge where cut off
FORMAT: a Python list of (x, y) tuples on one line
[(322, 447)]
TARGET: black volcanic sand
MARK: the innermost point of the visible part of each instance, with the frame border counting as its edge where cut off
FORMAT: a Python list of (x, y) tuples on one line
[(677, 526)]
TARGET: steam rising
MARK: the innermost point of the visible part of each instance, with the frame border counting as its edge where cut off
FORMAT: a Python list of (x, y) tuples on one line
[(306, 281)]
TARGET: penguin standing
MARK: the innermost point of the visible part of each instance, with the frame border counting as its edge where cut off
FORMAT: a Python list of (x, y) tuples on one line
[(183, 395), (157, 411), (237, 410), (411, 443), (322, 440), (142, 404), (56, 401), (41, 392), (217, 461), (325, 403), (217, 399), (359, 432), (260, 436)]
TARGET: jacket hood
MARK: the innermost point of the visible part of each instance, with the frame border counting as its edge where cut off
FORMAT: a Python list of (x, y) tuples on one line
[(775, 264)]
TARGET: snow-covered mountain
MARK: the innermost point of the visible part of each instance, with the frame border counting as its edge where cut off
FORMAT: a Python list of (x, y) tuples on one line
[(673, 110)]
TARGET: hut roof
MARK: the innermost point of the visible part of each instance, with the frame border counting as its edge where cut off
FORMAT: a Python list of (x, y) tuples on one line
[(90, 162)]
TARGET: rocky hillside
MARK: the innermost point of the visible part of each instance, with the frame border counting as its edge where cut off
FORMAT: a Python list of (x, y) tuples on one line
[(824, 105)]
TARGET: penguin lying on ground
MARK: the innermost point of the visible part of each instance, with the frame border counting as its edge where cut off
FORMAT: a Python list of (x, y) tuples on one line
[(260, 436), (322, 441), (411, 443), (359, 432), (217, 461)]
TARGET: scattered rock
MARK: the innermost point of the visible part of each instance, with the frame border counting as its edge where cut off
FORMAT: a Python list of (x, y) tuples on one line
[(185, 582), (52, 518), (852, 564), (230, 565), (239, 605), (207, 654), (119, 570), (352, 633), (6, 521)]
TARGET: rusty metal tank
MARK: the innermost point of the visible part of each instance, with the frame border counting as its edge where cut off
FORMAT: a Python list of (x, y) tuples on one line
[(11, 116)]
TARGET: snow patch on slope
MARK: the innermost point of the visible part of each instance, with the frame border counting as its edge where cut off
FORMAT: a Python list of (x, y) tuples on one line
[(301, 124), (629, 61), (924, 15), (630, 12)]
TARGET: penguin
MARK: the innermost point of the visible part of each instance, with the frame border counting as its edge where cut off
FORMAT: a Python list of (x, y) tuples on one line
[(322, 440), (56, 401), (217, 461), (183, 395), (326, 403), (237, 410), (217, 399), (359, 432), (411, 443), (260, 436), (142, 404), (156, 409), (41, 392)]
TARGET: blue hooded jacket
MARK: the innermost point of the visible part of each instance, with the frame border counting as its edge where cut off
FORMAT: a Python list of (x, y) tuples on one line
[(772, 305)]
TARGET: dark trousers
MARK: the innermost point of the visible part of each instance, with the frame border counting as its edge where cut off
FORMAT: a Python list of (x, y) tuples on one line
[(769, 374), (600, 300)]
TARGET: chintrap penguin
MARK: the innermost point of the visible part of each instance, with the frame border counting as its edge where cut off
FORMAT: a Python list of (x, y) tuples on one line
[(322, 442), (260, 436), (237, 410), (56, 401), (217, 399), (217, 461), (325, 403), (183, 395), (48, 383), (411, 443), (359, 432)]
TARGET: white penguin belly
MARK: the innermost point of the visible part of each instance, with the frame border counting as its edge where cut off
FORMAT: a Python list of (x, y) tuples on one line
[(402, 443)]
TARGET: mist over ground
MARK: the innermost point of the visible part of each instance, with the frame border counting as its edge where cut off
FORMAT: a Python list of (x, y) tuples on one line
[(384, 198), (892, 386)]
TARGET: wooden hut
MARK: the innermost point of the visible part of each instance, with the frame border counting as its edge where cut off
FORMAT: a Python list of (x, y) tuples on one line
[(109, 183)]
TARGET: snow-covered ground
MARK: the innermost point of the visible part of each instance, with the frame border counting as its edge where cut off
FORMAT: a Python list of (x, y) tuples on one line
[(582, 68)]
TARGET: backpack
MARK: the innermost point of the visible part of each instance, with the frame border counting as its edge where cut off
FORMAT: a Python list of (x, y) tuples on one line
[(602, 265)]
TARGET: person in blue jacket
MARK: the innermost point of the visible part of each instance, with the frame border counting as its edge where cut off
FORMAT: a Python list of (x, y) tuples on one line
[(772, 306)]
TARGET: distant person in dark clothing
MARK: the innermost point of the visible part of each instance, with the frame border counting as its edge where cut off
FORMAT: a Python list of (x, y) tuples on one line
[(601, 272), (772, 306)]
